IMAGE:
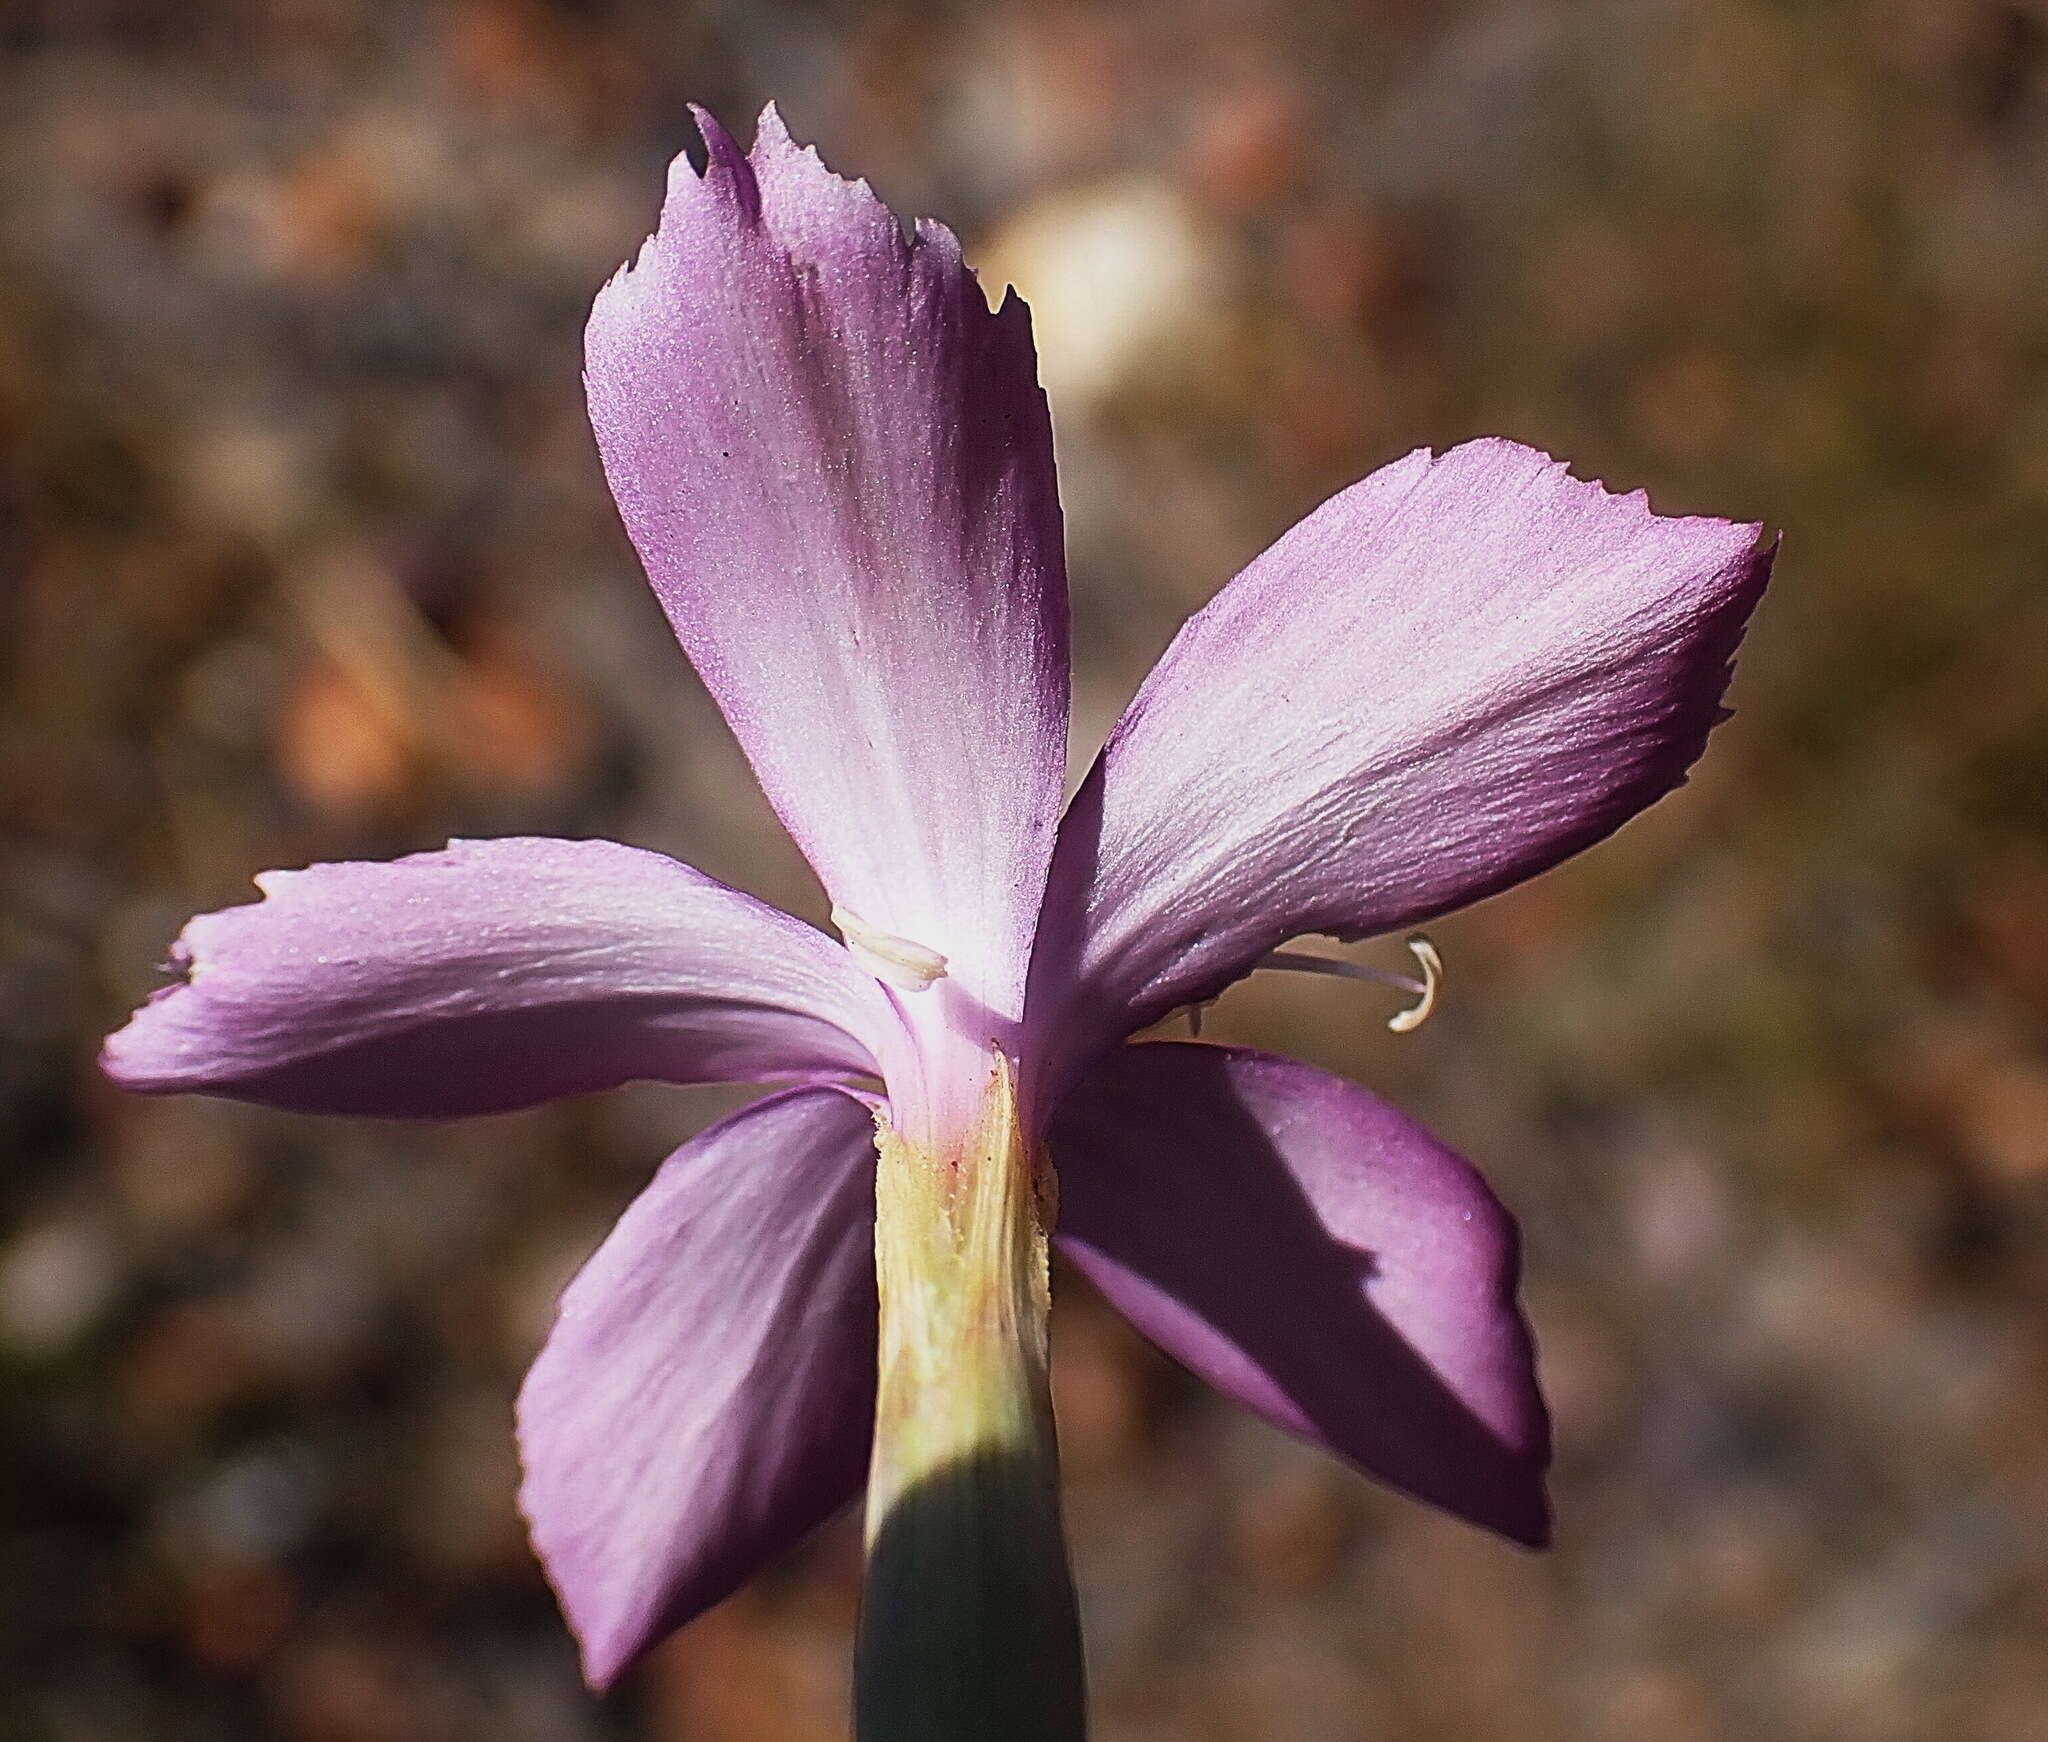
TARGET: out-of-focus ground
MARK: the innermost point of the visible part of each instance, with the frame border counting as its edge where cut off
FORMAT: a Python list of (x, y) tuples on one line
[(306, 554)]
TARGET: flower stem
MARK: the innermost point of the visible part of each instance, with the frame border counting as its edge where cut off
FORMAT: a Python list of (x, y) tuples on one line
[(968, 1631)]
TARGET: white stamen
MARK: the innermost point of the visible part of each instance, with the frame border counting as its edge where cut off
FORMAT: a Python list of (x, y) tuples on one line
[(1424, 990), (888, 957), (1294, 962)]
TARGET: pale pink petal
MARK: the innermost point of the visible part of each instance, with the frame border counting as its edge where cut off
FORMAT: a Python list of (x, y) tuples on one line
[(707, 1395), (1318, 1256), (837, 466), (1444, 680), (492, 975)]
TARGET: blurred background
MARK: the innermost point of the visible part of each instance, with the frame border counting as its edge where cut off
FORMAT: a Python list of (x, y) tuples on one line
[(304, 553)]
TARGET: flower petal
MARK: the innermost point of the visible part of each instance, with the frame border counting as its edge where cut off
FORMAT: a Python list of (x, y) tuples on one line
[(1318, 1256), (493, 975), (707, 1395), (1444, 680), (837, 466)]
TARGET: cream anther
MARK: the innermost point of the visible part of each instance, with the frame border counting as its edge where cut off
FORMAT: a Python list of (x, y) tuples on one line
[(1432, 965), (886, 956)]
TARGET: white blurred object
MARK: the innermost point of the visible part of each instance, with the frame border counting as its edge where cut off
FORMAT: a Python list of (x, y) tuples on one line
[(55, 1282), (1126, 284)]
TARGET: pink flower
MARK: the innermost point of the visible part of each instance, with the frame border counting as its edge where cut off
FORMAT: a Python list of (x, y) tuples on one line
[(837, 466)]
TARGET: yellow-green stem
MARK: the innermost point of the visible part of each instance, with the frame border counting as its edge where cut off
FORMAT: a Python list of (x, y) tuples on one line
[(968, 1631)]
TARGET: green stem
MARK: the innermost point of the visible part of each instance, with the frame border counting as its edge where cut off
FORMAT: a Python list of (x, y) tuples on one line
[(968, 1631)]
